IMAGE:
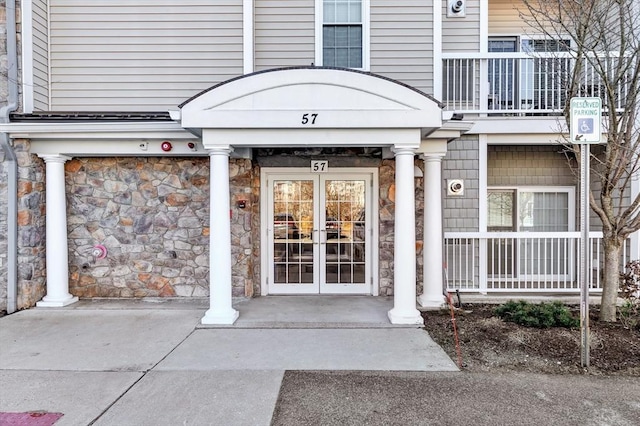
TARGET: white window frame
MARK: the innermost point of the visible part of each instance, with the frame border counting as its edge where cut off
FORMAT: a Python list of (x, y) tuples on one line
[(571, 199), (365, 34)]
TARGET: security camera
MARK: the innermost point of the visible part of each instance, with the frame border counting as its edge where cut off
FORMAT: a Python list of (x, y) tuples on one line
[(456, 9), (455, 187)]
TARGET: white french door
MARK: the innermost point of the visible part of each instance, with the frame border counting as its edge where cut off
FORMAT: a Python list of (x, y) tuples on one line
[(319, 233)]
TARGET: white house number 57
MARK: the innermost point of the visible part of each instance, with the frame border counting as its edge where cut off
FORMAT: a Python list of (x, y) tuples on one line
[(309, 118)]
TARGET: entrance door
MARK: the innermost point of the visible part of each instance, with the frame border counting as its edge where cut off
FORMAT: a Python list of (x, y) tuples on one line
[(319, 233)]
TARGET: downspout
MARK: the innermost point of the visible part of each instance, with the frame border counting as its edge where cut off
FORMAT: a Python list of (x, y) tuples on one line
[(12, 171)]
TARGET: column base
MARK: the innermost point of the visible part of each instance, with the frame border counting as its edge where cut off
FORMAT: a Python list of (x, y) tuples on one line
[(48, 302), (434, 302), (411, 317), (226, 317)]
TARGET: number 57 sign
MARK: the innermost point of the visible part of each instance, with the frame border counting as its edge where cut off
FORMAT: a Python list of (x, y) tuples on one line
[(585, 118)]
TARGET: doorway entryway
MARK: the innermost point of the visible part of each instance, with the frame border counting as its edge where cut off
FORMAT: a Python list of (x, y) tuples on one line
[(319, 232)]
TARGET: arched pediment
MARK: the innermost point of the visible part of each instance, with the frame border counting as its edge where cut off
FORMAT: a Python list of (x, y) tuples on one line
[(330, 98)]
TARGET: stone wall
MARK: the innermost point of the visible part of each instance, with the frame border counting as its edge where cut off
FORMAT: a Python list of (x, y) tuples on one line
[(386, 226), (152, 215), (31, 226)]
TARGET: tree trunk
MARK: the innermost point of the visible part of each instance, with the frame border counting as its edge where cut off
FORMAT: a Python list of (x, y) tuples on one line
[(611, 278)]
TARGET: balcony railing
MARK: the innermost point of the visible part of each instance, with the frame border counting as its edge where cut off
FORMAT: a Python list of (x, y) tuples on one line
[(519, 83), (534, 262)]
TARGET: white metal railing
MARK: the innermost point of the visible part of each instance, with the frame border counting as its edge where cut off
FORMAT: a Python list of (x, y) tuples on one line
[(519, 83), (521, 261)]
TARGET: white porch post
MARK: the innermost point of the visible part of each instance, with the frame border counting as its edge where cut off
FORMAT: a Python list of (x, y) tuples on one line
[(404, 271), (220, 299), (56, 233), (432, 295)]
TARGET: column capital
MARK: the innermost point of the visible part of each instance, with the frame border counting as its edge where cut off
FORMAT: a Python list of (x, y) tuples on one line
[(54, 158), (432, 157), (404, 150), (219, 150)]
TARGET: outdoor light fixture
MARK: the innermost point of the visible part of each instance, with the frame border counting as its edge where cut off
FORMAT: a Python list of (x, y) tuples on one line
[(456, 9)]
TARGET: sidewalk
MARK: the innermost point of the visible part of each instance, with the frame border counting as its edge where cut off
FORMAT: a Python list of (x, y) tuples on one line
[(286, 361), (140, 363)]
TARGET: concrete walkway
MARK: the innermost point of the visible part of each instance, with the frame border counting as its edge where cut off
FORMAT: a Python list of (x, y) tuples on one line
[(152, 363), (287, 361)]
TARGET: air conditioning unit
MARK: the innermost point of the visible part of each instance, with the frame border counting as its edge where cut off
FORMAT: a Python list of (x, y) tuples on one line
[(455, 187), (456, 9)]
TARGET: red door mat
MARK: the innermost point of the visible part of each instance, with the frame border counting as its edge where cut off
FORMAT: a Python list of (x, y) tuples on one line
[(37, 418)]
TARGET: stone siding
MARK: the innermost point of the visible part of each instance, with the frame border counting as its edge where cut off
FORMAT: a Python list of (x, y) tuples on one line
[(386, 230), (152, 215), (31, 226)]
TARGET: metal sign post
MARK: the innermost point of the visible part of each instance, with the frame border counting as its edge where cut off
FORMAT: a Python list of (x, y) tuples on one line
[(585, 151), (585, 122)]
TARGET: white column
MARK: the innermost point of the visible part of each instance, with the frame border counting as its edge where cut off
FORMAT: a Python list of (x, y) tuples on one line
[(220, 299), (56, 233), (432, 294), (404, 270)]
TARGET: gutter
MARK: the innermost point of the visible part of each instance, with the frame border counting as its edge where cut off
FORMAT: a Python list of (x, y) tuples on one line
[(12, 172)]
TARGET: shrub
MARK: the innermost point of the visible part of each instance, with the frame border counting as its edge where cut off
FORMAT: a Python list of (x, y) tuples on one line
[(629, 312), (539, 315)]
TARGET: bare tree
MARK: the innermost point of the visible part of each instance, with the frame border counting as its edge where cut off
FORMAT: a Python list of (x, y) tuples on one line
[(604, 58)]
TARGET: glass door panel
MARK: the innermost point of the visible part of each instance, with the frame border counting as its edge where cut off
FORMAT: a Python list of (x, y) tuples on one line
[(318, 233), (345, 252), (292, 225)]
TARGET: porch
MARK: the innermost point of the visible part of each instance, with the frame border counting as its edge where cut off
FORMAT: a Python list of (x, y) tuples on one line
[(520, 83), (522, 262)]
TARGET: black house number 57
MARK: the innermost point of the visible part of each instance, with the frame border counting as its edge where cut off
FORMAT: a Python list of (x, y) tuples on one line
[(309, 118)]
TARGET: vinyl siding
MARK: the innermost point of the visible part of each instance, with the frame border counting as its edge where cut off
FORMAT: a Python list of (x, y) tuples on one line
[(504, 18), (461, 34), (460, 213), (140, 55), (40, 56), (402, 41), (284, 33)]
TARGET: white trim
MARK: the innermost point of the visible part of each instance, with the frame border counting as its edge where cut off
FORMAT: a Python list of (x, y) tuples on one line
[(482, 183), (518, 126), (317, 137), (483, 174), (27, 55), (366, 34), (49, 68), (247, 37), (437, 51), (571, 199), (117, 130), (484, 26)]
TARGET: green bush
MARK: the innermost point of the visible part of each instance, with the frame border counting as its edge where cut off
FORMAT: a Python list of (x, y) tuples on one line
[(539, 315)]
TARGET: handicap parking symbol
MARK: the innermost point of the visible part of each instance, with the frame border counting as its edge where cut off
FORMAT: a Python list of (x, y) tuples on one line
[(585, 125)]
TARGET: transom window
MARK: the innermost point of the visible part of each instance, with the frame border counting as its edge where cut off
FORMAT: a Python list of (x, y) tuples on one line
[(343, 33)]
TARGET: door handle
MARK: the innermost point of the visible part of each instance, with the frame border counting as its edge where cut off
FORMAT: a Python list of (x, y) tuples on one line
[(323, 240), (313, 236)]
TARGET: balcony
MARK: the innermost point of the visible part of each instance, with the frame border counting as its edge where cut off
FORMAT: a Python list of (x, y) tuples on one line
[(520, 84), (521, 262)]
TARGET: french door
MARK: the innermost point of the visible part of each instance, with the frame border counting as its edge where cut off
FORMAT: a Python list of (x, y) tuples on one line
[(319, 233)]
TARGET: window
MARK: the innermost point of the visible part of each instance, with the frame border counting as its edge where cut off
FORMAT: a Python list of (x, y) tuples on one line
[(530, 210), (546, 209), (343, 33)]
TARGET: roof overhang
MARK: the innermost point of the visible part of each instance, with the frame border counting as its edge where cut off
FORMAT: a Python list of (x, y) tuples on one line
[(292, 104)]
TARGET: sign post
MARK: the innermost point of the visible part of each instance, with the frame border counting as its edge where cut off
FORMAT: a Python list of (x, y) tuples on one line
[(585, 128)]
